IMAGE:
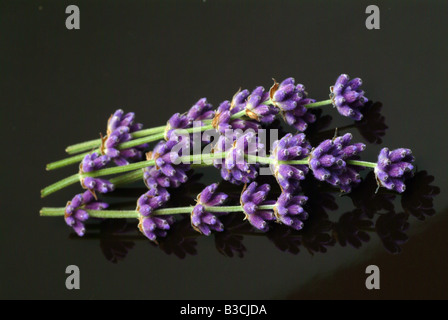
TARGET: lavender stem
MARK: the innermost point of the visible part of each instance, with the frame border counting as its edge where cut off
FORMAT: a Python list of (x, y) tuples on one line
[(93, 144), (318, 104)]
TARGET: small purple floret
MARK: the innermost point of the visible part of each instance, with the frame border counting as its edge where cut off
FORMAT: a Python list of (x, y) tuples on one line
[(167, 172), (253, 197), (328, 161), (75, 210), (291, 99), (289, 210), (93, 162), (290, 148), (203, 221), (257, 109), (347, 97), (223, 121), (393, 168), (234, 167), (119, 129), (201, 110)]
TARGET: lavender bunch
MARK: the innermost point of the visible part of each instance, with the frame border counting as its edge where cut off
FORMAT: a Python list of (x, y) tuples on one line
[(237, 156)]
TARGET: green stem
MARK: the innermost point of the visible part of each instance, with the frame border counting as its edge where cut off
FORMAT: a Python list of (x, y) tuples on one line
[(266, 207), (59, 185), (148, 132), (293, 162), (121, 169), (125, 145), (238, 114), (83, 146), (223, 209), (318, 104), (127, 178), (137, 142), (78, 158), (118, 214), (68, 161), (257, 159), (362, 163), (202, 157)]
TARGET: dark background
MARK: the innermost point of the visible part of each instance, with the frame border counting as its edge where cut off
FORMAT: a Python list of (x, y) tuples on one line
[(59, 86)]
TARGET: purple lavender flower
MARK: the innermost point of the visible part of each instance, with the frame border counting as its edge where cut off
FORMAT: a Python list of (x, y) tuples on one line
[(119, 119), (93, 162), (155, 226), (223, 119), (234, 167), (257, 109), (166, 173), (239, 100), (150, 225), (290, 147), (202, 220), (289, 210), (75, 210), (151, 200), (119, 129), (291, 100), (251, 198), (201, 110), (347, 96), (393, 167), (328, 162)]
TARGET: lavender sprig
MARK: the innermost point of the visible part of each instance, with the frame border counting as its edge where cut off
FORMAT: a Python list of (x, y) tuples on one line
[(252, 198), (202, 220), (393, 168), (347, 96), (75, 211)]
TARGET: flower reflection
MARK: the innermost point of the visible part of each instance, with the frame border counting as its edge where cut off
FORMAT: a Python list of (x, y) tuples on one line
[(373, 215)]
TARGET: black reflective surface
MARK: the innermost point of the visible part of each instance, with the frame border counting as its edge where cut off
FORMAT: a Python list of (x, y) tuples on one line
[(159, 57)]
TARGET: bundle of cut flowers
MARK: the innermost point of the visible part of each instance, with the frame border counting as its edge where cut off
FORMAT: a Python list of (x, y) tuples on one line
[(232, 139)]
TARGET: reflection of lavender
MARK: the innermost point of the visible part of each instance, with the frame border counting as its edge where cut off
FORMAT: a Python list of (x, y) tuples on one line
[(230, 242), (372, 126), (316, 236), (351, 229), (285, 239), (417, 200), (179, 241), (391, 228), (113, 248), (365, 197)]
